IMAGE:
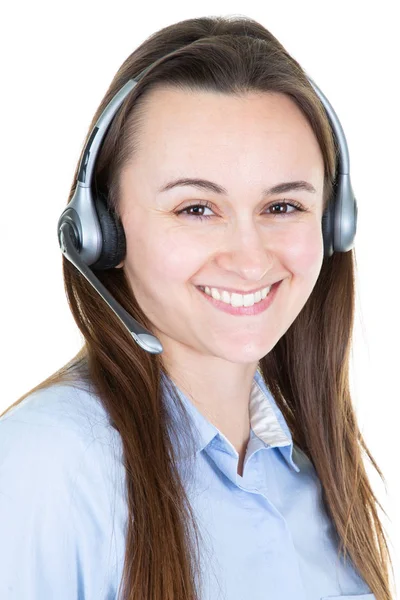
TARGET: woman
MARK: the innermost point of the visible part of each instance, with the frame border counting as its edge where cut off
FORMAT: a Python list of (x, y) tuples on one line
[(213, 452)]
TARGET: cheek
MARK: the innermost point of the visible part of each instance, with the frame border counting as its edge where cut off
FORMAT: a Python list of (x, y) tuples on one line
[(174, 257), (302, 250)]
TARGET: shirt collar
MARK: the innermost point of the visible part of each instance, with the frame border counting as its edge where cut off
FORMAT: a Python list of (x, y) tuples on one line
[(266, 421)]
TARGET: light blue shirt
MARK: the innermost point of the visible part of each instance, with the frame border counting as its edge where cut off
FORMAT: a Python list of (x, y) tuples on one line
[(63, 508)]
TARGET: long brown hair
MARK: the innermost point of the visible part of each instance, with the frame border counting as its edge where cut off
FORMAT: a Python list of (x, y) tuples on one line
[(231, 55)]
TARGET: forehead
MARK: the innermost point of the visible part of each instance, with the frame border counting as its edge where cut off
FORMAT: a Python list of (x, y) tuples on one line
[(183, 132)]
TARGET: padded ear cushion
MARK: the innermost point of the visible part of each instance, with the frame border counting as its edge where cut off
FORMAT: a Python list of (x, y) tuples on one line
[(113, 236), (327, 229)]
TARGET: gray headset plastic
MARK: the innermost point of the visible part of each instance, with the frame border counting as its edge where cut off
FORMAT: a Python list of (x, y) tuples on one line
[(81, 238)]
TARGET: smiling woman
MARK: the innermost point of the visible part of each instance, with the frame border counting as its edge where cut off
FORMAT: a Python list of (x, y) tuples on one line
[(203, 443), (242, 244)]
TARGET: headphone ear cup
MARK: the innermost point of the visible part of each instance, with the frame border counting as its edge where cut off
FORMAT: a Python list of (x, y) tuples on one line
[(113, 248), (327, 229)]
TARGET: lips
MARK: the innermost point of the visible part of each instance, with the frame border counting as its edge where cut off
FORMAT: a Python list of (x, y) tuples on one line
[(243, 310)]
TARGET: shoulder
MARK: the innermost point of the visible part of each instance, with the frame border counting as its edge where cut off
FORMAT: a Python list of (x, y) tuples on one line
[(64, 416), (64, 404), (62, 494), (56, 447), (58, 430)]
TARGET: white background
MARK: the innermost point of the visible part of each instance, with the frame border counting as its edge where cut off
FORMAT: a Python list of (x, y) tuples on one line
[(57, 62)]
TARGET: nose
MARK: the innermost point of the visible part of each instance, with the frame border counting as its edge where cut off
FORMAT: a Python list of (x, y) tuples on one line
[(247, 253)]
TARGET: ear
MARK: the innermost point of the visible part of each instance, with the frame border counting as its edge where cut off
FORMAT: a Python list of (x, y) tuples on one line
[(121, 264)]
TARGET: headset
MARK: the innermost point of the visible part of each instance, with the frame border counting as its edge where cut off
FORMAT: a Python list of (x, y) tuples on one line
[(90, 235)]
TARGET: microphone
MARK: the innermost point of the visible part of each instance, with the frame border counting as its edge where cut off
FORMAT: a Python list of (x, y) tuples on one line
[(68, 239)]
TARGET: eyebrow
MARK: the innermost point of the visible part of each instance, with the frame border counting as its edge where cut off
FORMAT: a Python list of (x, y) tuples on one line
[(204, 184)]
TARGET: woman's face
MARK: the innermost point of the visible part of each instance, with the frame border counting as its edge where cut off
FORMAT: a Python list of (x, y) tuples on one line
[(246, 146)]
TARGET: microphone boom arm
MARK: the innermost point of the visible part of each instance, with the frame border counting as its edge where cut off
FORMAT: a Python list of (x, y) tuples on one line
[(142, 336)]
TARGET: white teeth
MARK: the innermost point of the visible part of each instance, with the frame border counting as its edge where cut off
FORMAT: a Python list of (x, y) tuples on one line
[(237, 299)]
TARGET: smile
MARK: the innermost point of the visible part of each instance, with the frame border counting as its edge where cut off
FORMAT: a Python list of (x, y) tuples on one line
[(238, 304), (235, 299)]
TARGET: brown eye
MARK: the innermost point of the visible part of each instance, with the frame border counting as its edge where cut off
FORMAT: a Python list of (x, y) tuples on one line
[(200, 205), (294, 204)]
